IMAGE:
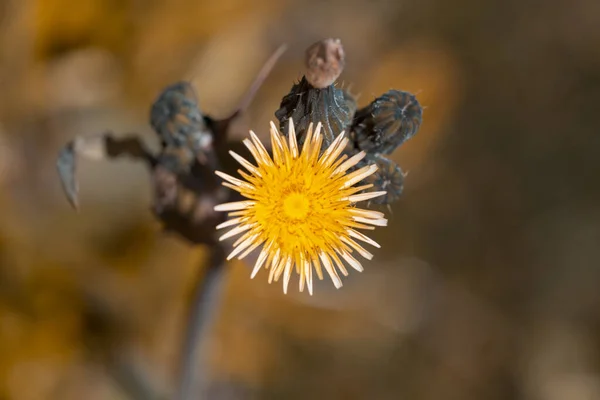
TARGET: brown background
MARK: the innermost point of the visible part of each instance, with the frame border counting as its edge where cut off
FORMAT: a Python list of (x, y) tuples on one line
[(486, 286)]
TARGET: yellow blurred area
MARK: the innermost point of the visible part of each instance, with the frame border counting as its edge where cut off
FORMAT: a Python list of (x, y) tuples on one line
[(486, 283)]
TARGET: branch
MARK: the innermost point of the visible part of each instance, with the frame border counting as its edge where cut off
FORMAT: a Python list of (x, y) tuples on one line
[(98, 147)]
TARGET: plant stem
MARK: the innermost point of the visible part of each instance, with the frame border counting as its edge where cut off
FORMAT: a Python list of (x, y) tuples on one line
[(201, 313)]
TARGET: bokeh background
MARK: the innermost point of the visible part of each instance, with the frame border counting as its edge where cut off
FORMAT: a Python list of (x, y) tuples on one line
[(486, 286)]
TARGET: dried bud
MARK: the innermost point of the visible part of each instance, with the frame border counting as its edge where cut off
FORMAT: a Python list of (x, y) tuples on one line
[(386, 123), (176, 117), (324, 62), (389, 177)]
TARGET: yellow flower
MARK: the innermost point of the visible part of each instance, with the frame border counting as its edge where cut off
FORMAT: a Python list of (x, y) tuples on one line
[(300, 207)]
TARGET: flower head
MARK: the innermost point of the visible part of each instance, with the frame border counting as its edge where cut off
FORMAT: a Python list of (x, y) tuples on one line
[(300, 207)]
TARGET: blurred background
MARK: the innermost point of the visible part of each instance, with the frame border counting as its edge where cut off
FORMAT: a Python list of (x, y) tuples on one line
[(486, 285)]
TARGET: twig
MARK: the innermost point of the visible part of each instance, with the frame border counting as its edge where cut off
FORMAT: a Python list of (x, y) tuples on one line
[(259, 80)]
